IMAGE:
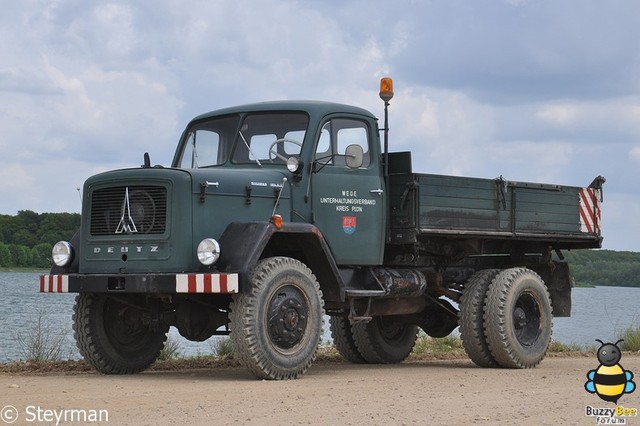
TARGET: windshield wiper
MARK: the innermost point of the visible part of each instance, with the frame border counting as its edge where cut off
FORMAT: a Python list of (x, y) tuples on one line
[(249, 148)]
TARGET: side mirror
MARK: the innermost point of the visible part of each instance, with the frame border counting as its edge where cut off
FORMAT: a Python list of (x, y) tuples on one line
[(354, 156)]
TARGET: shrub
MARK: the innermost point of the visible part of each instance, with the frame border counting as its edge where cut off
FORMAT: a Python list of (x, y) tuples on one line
[(6, 259), (40, 342), (41, 255), (21, 255)]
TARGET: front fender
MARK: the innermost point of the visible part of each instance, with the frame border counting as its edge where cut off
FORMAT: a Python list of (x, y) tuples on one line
[(243, 244)]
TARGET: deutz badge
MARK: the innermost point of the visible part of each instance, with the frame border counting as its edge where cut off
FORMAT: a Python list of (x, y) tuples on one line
[(349, 224)]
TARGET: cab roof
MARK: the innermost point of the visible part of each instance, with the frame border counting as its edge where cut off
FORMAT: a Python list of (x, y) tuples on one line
[(313, 108)]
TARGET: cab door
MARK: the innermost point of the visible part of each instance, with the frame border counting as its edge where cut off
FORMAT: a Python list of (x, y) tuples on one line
[(348, 200)]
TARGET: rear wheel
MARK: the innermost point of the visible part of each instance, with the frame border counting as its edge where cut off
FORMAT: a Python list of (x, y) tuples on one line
[(277, 327), (471, 318), (114, 336), (343, 340), (518, 318), (385, 339)]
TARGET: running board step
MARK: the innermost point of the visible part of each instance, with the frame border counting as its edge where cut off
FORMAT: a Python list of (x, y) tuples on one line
[(355, 293)]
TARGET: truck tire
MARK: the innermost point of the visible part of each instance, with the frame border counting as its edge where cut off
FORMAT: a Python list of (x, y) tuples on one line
[(471, 318), (343, 340), (113, 337), (518, 318), (385, 339), (276, 328)]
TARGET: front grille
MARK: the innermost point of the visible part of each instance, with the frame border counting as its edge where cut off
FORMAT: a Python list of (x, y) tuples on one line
[(135, 209)]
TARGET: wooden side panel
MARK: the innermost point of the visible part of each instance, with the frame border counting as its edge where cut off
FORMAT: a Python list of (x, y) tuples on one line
[(491, 208), (552, 210), (458, 203)]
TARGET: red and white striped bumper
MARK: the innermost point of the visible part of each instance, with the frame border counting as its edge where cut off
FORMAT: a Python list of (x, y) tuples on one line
[(207, 283), (54, 283), (143, 283)]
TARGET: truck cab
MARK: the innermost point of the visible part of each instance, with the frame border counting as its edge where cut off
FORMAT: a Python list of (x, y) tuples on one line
[(312, 145)]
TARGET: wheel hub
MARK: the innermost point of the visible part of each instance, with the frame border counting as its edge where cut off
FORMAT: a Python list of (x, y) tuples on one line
[(527, 319), (287, 320), (124, 325), (519, 318), (291, 319)]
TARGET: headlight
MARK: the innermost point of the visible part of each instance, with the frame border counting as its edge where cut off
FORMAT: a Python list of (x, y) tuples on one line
[(208, 251), (62, 253)]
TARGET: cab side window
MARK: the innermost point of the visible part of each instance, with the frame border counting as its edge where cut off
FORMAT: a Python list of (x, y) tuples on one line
[(336, 135)]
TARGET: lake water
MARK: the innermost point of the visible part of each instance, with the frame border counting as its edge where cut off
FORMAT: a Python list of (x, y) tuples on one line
[(597, 313)]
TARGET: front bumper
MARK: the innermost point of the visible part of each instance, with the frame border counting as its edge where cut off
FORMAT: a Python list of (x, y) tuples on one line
[(140, 283)]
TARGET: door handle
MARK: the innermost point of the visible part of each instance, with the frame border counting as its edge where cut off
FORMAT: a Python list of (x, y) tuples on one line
[(377, 191)]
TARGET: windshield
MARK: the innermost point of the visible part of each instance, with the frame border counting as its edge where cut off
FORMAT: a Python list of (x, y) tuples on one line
[(209, 142), (261, 138), (270, 138)]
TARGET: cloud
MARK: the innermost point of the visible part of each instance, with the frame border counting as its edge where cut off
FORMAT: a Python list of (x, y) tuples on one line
[(501, 54), (534, 91), (558, 113), (14, 177)]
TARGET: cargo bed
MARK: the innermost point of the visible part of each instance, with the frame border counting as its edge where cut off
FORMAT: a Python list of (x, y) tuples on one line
[(428, 205)]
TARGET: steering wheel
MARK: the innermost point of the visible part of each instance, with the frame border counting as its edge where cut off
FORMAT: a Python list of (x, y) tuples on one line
[(275, 153)]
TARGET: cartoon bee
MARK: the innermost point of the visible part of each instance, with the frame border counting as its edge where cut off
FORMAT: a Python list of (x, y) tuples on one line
[(609, 381)]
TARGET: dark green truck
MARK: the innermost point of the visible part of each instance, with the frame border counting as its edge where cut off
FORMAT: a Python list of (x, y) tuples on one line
[(275, 214)]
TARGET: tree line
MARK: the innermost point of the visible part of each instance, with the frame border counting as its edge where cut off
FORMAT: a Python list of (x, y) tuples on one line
[(604, 267), (27, 238)]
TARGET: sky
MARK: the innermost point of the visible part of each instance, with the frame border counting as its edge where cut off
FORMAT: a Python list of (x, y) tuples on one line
[(533, 90)]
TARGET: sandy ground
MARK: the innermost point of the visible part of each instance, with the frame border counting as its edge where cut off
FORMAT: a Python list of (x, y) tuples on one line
[(438, 392)]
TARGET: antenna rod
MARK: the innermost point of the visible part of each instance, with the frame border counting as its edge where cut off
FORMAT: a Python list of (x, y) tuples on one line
[(284, 180), (386, 138)]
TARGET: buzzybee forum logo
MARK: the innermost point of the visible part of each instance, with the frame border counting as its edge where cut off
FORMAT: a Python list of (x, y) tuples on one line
[(610, 381)]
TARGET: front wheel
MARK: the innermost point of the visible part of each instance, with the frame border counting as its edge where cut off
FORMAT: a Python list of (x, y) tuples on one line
[(518, 318), (276, 328), (114, 336)]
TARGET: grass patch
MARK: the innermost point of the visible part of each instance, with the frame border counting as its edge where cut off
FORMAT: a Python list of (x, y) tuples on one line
[(440, 348), (328, 353), (631, 338), (426, 344), (23, 269), (223, 348), (451, 347), (171, 350), (556, 347), (223, 354)]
